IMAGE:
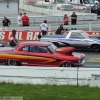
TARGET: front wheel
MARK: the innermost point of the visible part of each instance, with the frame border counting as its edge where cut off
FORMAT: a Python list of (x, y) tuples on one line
[(66, 64), (12, 63), (96, 47)]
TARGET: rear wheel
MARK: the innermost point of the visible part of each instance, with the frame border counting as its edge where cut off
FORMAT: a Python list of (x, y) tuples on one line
[(58, 8), (13, 63), (66, 64), (96, 47)]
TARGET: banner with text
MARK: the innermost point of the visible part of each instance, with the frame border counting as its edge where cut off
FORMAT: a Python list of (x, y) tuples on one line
[(31, 35)]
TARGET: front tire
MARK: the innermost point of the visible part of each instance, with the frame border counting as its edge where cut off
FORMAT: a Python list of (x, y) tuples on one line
[(96, 47), (66, 64)]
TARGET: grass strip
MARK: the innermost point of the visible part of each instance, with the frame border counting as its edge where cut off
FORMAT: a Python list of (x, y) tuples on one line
[(50, 92)]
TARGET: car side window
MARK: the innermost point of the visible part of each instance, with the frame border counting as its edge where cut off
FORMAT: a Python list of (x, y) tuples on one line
[(76, 35), (38, 49), (24, 48)]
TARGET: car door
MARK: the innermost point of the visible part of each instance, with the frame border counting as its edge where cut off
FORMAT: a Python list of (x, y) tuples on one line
[(40, 56), (24, 52), (77, 40)]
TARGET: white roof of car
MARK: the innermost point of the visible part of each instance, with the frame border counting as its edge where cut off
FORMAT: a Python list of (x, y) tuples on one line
[(76, 30)]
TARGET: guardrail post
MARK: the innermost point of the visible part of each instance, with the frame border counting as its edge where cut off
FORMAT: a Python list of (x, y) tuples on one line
[(49, 27), (90, 27)]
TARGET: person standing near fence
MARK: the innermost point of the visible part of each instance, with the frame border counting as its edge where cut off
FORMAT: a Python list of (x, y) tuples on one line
[(6, 22), (44, 27), (19, 19), (25, 20), (60, 30), (65, 19), (73, 20)]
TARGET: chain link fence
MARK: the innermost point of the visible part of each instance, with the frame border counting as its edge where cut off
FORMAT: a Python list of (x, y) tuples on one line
[(55, 8)]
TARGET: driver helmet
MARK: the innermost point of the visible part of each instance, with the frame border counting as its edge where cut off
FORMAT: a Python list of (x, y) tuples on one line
[(14, 31)]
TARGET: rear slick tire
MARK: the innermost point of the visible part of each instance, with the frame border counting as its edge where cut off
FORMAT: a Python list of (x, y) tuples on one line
[(96, 47), (12, 63)]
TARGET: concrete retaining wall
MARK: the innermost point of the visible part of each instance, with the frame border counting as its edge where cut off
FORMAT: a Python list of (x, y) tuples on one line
[(47, 75)]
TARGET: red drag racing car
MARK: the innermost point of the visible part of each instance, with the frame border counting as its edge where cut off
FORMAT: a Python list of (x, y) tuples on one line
[(40, 54)]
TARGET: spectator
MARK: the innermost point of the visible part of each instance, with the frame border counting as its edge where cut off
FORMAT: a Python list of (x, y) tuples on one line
[(25, 20), (44, 27), (6, 22), (65, 19), (59, 30), (12, 40), (19, 19), (73, 20), (81, 1)]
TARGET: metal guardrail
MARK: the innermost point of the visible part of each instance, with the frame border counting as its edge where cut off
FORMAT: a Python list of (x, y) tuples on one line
[(95, 76), (51, 27), (34, 20)]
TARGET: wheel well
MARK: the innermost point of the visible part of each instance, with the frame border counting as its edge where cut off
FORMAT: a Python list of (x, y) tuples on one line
[(66, 62), (85, 8), (93, 45), (18, 62)]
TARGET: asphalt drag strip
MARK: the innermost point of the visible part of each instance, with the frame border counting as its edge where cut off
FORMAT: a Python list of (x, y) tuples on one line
[(92, 64)]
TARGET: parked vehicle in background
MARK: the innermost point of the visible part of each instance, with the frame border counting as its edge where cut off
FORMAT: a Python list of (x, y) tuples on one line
[(54, 4), (78, 39), (96, 8), (61, 5), (29, 2), (44, 54), (81, 4)]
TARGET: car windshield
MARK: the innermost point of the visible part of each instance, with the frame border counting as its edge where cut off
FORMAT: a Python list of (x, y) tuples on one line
[(52, 48), (62, 1), (85, 34)]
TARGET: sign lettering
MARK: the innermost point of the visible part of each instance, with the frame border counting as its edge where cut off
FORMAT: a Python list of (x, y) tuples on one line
[(31, 35), (20, 36), (2, 35)]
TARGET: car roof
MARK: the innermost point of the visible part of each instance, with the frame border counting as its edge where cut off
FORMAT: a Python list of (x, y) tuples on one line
[(76, 30), (36, 43)]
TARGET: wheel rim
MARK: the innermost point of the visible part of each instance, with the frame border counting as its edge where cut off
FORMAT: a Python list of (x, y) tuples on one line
[(12, 62), (96, 47), (66, 64)]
